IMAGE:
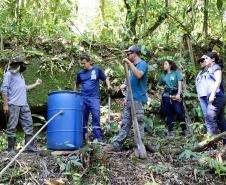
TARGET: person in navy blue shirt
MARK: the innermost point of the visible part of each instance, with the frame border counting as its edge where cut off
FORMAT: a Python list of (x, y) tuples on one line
[(87, 80)]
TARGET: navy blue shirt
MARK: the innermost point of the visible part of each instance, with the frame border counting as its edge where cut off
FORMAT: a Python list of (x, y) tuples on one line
[(89, 81)]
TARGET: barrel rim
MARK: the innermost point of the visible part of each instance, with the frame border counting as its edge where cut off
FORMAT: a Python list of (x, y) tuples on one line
[(64, 91)]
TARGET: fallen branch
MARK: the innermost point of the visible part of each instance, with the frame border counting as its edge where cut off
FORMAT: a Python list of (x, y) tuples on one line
[(208, 142), (57, 153)]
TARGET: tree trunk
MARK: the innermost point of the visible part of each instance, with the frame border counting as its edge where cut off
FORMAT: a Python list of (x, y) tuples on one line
[(1, 43), (17, 11), (102, 5), (159, 21), (189, 43), (128, 9), (131, 18), (134, 19), (205, 21), (145, 15)]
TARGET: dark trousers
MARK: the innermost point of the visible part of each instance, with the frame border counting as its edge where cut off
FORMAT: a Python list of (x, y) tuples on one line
[(172, 108), (215, 115)]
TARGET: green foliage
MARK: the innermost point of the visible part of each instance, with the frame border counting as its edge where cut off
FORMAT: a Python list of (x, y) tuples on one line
[(3, 140), (187, 154), (219, 5), (158, 169), (69, 167)]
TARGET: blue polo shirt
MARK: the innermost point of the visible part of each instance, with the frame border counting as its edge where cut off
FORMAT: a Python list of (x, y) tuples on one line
[(139, 86), (89, 81)]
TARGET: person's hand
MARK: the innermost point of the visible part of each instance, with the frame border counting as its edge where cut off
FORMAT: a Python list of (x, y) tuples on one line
[(211, 98), (38, 82), (177, 96), (124, 102), (122, 87), (110, 90), (5, 108), (126, 60)]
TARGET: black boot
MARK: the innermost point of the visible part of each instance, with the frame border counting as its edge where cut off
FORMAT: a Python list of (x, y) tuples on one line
[(30, 148), (11, 146)]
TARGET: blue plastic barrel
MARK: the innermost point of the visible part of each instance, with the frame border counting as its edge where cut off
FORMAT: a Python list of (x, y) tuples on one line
[(65, 131)]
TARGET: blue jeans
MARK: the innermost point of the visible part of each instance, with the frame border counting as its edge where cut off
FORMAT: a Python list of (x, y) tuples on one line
[(92, 105), (215, 116), (204, 104), (173, 107)]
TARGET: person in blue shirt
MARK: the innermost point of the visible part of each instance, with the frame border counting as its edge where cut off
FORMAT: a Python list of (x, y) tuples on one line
[(215, 94), (138, 78), (171, 97), (87, 80), (15, 106)]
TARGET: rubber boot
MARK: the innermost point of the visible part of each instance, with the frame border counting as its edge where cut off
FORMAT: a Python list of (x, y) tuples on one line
[(11, 146), (30, 148)]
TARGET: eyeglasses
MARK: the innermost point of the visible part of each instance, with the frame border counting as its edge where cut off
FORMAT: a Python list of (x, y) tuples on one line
[(128, 54), (202, 60)]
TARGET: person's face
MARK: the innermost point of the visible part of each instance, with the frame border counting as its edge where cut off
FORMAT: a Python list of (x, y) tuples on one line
[(84, 64), (166, 66), (209, 61), (131, 56), (202, 61)]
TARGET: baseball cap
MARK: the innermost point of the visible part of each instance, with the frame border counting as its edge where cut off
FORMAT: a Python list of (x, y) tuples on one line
[(134, 49)]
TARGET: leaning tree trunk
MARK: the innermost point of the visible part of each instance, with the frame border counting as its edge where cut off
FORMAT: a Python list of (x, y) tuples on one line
[(205, 21), (189, 43), (1, 43)]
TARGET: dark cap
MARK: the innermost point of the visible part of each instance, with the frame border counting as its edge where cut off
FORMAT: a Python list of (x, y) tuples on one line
[(213, 55), (19, 60), (134, 49)]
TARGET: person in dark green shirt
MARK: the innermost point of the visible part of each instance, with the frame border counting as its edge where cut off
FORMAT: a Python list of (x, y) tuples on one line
[(171, 97)]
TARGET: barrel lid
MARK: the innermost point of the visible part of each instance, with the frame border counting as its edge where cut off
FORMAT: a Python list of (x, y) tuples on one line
[(64, 91)]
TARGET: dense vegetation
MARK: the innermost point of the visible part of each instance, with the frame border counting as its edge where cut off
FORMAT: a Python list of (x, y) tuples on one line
[(52, 34)]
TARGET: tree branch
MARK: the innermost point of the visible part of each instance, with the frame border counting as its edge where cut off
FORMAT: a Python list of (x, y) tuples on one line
[(133, 22), (159, 21), (128, 8)]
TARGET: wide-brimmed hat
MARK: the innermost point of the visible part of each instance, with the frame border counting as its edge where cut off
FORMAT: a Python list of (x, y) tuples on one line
[(18, 60)]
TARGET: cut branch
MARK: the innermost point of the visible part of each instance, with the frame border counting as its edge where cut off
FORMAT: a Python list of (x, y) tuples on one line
[(208, 142)]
